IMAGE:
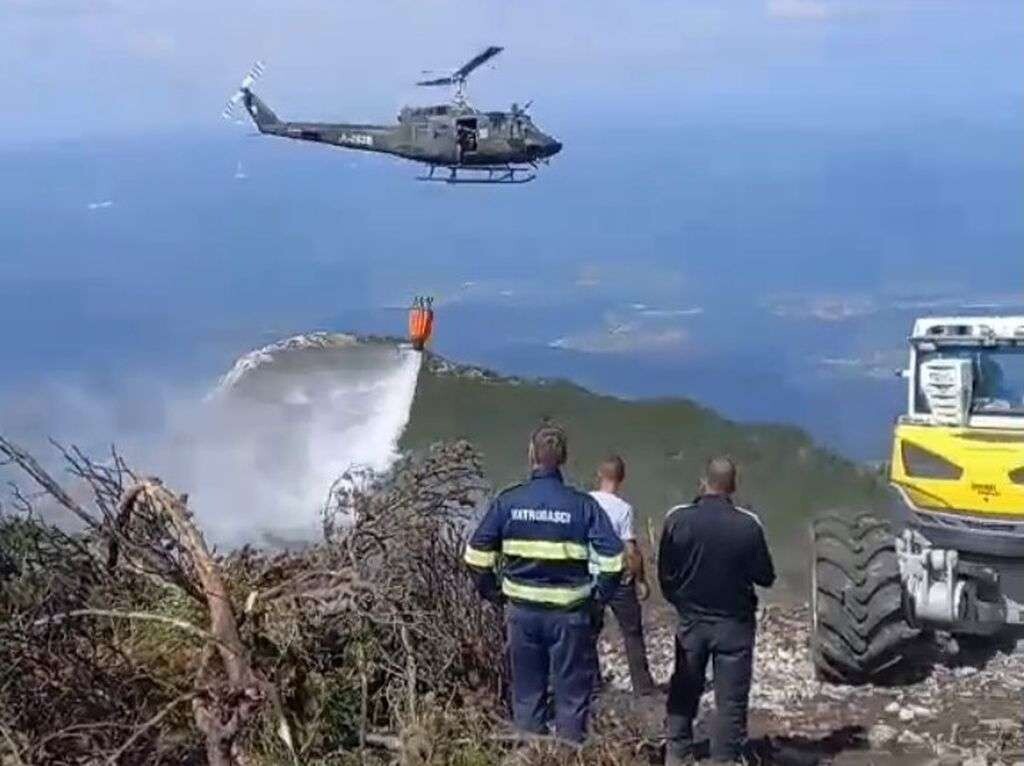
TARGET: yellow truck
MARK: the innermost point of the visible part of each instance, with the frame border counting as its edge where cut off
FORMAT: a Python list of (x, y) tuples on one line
[(950, 554)]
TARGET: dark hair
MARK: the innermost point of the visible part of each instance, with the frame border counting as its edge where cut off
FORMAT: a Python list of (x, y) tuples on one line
[(549, 446), (720, 475), (612, 468)]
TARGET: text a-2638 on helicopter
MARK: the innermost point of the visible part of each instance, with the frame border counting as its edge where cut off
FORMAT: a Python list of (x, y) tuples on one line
[(471, 145)]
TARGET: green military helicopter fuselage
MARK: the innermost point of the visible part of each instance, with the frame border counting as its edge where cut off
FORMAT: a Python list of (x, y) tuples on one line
[(473, 146)]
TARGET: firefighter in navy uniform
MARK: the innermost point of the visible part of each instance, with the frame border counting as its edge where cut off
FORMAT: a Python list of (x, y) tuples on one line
[(712, 554), (545, 534)]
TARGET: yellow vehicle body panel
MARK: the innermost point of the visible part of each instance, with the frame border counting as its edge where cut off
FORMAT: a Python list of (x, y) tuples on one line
[(986, 458)]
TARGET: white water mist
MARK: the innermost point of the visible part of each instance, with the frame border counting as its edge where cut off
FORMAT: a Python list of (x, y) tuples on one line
[(257, 454), (284, 423)]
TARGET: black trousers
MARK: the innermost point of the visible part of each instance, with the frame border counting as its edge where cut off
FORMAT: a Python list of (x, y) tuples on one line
[(729, 645), (626, 608)]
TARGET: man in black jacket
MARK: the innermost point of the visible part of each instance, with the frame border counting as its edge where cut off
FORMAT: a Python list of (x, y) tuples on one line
[(711, 556)]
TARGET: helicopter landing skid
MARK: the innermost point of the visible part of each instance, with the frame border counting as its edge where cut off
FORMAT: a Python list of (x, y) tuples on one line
[(480, 174)]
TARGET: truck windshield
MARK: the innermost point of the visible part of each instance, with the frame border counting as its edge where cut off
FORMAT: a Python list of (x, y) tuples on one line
[(998, 377)]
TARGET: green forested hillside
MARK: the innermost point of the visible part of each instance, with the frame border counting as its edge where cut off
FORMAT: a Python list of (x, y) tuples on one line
[(665, 442)]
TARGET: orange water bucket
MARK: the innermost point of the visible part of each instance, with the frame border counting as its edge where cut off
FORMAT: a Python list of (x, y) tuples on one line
[(421, 322)]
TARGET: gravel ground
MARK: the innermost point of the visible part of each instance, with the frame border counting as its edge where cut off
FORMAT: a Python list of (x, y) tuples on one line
[(960, 707)]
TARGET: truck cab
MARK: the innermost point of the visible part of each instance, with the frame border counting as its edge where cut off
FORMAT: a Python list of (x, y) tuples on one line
[(959, 449)]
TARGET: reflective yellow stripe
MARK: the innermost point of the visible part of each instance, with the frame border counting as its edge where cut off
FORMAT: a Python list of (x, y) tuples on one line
[(556, 596), (545, 549), (609, 564), (481, 559)]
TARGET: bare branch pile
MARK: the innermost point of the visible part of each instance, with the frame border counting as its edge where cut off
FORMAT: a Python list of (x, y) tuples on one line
[(131, 641)]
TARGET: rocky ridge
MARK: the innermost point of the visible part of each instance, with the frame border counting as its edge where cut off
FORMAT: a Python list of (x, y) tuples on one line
[(963, 707)]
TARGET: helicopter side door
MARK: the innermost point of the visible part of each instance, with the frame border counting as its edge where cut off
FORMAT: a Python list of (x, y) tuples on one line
[(484, 136), (467, 139)]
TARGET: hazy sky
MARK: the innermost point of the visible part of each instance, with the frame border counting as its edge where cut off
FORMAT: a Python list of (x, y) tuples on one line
[(121, 66)]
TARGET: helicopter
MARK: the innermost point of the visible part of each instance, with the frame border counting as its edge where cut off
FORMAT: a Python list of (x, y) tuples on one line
[(471, 145)]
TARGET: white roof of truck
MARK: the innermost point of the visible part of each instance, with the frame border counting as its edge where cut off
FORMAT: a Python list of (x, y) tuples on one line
[(936, 328)]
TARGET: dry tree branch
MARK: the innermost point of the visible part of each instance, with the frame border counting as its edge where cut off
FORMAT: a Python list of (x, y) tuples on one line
[(156, 719), (30, 465), (12, 746), (223, 624), (219, 714), (56, 619)]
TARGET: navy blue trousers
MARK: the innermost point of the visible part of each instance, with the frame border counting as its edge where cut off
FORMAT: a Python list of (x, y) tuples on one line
[(551, 651)]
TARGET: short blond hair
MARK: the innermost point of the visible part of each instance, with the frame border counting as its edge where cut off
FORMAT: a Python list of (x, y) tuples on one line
[(612, 468)]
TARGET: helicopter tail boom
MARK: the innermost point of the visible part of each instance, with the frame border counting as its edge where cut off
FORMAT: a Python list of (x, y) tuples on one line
[(262, 115)]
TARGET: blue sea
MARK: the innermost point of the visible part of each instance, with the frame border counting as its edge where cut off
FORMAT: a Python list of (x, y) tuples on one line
[(770, 273)]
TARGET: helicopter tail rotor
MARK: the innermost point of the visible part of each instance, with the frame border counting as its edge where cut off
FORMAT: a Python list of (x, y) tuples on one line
[(243, 88)]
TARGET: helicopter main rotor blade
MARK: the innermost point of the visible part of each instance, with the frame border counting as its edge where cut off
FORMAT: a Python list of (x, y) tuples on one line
[(473, 63), (458, 77), (438, 81)]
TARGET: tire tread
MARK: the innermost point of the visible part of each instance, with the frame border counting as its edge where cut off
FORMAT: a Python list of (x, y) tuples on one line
[(860, 628)]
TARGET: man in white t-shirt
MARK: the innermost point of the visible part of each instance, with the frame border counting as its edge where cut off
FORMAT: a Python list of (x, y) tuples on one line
[(625, 605)]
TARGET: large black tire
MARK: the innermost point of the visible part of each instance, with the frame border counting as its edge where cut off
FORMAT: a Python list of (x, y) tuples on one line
[(858, 630)]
